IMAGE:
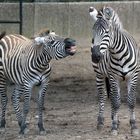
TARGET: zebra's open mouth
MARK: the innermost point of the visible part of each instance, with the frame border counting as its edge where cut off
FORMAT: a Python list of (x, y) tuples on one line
[(71, 50), (70, 46)]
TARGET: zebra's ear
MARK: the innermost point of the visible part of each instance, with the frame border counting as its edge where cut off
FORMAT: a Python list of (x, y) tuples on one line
[(93, 13), (39, 40), (52, 33)]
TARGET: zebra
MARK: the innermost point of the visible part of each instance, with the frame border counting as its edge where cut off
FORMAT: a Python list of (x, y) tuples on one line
[(26, 63), (114, 55)]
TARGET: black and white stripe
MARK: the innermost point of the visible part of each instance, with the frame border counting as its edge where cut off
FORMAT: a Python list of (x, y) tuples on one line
[(26, 63), (114, 55)]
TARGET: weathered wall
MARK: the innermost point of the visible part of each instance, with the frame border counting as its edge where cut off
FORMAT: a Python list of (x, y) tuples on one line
[(73, 19), (67, 19), (10, 11)]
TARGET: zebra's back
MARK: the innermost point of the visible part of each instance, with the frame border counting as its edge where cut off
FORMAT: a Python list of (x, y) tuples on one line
[(13, 50)]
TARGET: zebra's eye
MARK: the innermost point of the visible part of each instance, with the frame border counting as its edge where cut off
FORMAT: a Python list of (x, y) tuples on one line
[(92, 40), (108, 13), (52, 42)]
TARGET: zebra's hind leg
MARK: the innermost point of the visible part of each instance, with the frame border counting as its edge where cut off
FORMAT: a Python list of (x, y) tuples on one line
[(4, 100), (131, 99), (100, 81), (16, 103), (115, 104), (26, 106)]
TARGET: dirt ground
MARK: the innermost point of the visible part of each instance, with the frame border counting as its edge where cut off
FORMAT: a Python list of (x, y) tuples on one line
[(71, 106)]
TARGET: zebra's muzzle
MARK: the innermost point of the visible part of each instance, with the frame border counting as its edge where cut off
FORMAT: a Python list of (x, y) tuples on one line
[(70, 46), (96, 54)]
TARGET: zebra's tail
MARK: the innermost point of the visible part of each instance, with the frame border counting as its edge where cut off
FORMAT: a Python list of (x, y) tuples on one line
[(107, 86), (2, 34)]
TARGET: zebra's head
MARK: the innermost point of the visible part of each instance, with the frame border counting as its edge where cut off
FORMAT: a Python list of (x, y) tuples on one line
[(111, 15), (56, 46), (107, 20)]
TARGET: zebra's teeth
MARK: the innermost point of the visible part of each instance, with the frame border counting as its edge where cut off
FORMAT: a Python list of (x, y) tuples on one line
[(36, 116), (72, 49)]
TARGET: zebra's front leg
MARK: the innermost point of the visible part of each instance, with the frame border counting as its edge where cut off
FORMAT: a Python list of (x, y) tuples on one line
[(41, 96), (115, 104), (26, 106), (131, 99), (100, 81)]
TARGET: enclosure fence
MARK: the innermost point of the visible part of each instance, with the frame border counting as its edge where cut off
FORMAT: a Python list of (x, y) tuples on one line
[(19, 21)]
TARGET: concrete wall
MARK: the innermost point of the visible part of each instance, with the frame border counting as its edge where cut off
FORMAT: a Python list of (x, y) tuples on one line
[(72, 19), (10, 11), (67, 19)]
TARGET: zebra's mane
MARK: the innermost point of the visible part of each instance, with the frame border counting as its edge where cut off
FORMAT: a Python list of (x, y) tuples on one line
[(111, 15), (44, 36), (2, 34), (43, 32)]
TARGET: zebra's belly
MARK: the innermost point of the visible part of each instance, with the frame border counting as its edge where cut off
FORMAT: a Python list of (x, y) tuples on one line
[(123, 73), (37, 80)]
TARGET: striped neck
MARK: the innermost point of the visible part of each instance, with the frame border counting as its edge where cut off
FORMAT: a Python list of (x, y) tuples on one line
[(42, 58)]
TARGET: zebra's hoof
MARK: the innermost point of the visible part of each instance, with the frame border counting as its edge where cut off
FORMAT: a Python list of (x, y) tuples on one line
[(21, 136), (100, 126), (42, 132), (135, 132), (2, 130), (25, 131), (114, 132)]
